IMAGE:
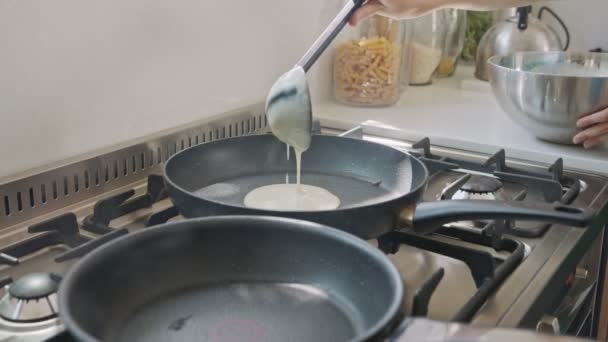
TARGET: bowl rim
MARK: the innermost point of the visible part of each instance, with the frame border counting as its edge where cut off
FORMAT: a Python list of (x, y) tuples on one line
[(493, 63)]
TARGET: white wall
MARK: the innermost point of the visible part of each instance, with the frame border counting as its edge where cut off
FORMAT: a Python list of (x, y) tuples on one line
[(76, 75), (586, 20)]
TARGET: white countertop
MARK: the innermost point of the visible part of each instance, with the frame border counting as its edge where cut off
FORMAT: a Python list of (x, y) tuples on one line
[(459, 112)]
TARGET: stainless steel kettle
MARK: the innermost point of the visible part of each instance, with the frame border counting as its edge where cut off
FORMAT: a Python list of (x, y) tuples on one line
[(521, 32)]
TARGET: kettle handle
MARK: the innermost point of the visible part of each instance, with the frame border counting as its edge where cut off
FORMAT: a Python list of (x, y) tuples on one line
[(522, 22), (559, 20)]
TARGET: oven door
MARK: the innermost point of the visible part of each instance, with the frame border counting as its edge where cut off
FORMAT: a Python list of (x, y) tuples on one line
[(574, 314), (577, 309)]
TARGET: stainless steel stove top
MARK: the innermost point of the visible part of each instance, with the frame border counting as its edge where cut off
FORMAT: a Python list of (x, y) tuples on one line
[(489, 273)]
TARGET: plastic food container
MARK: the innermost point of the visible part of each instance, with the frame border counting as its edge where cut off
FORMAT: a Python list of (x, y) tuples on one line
[(367, 68)]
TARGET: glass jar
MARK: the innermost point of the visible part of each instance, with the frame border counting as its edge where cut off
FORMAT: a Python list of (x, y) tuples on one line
[(456, 21), (367, 68), (406, 54), (426, 46)]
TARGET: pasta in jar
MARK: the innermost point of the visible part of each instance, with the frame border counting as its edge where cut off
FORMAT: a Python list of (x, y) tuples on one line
[(366, 70)]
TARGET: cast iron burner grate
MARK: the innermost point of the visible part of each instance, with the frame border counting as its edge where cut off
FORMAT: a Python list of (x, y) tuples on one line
[(488, 271), (116, 206), (60, 230), (552, 185)]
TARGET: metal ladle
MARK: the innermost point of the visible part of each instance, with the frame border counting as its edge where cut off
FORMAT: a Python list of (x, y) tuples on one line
[(288, 105)]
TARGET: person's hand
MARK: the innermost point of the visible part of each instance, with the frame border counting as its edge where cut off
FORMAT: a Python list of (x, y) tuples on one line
[(397, 9), (594, 129)]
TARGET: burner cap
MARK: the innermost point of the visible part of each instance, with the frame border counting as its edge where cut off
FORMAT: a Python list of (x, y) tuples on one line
[(31, 298), (34, 286), (481, 184)]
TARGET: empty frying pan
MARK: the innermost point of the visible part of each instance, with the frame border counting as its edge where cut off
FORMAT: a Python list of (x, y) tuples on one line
[(228, 279), (379, 187)]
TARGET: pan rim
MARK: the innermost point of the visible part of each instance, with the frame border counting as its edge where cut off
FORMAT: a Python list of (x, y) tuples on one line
[(390, 316), (414, 190)]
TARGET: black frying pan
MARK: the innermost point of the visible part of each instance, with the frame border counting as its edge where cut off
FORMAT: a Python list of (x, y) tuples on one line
[(228, 279), (379, 186)]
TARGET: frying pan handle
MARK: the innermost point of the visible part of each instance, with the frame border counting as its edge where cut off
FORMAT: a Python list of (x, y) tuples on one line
[(428, 217)]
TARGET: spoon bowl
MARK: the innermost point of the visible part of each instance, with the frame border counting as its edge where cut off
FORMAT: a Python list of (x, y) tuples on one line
[(288, 105), (289, 109)]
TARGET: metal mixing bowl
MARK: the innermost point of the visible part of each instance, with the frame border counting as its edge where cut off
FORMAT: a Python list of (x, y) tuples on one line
[(546, 92)]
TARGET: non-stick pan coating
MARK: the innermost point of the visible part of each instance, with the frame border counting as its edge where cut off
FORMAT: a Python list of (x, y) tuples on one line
[(213, 179), (358, 172), (249, 278), (252, 312)]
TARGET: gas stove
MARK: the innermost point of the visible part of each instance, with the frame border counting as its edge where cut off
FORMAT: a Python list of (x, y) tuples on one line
[(493, 273)]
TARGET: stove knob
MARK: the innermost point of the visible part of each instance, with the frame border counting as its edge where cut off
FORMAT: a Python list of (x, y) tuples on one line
[(548, 325)]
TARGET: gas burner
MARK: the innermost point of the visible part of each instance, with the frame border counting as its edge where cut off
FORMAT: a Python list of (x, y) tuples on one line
[(474, 187), (480, 188), (31, 298)]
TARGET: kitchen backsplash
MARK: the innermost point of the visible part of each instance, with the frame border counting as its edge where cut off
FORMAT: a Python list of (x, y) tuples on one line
[(77, 75)]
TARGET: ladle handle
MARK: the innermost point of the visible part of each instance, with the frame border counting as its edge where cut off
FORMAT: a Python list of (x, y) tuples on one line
[(317, 48)]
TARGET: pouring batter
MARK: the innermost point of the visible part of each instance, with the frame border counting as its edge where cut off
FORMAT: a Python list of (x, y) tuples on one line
[(289, 117), (288, 111), (291, 197), (289, 114)]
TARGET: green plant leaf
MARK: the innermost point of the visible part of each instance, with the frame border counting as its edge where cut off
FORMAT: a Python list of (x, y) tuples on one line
[(477, 25)]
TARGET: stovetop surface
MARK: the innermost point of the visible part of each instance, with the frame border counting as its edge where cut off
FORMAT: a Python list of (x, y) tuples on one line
[(450, 273)]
